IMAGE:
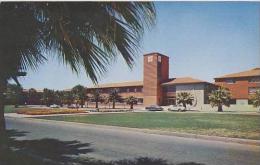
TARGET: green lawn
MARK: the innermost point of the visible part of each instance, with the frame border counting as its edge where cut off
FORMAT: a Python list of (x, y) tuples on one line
[(228, 125), (10, 109)]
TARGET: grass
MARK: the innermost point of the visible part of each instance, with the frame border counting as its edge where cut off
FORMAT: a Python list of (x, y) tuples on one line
[(10, 109), (226, 125)]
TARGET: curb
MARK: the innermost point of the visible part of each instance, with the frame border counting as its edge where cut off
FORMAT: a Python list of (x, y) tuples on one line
[(159, 132)]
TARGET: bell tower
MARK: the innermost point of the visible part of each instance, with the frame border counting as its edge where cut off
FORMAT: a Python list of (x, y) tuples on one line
[(156, 71)]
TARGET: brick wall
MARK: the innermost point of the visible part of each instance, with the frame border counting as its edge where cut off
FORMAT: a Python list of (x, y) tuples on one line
[(238, 89), (156, 71)]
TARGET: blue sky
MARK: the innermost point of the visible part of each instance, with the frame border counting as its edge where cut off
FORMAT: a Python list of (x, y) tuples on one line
[(203, 40)]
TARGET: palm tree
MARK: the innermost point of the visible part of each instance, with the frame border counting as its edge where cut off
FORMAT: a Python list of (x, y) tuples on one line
[(79, 34), (185, 99), (131, 100), (96, 96), (79, 92), (114, 97), (255, 99), (59, 97), (220, 97)]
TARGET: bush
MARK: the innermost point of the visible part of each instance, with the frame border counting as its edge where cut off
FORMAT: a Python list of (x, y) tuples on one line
[(38, 111)]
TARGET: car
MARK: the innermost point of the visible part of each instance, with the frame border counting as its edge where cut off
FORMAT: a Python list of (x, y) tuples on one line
[(176, 108), (54, 106), (154, 108), (72, 106)]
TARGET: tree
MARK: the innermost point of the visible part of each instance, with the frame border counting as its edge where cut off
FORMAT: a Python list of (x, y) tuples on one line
[(48, 97), (81, 34), (79, 93), (68, 97), (184, 98), (14, 94), (255, 99), (220, 97), (114, 97), (33, 97), (96, 96), (131, 100), (59, 97)]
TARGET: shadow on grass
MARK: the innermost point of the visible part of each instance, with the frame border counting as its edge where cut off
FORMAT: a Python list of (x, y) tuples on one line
[(56, 152)]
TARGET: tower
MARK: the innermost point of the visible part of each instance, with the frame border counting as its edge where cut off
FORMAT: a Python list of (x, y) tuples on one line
[(156, 71)]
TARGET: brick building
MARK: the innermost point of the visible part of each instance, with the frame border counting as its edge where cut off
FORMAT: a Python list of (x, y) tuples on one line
[(241, 84), (157, 87)]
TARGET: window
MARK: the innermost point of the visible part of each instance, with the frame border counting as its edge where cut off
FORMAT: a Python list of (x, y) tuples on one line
[(252, 90), (140, 100), (150, 58), (232, 101), (255, 79), (131, 89), (159, 59), (230, 81)]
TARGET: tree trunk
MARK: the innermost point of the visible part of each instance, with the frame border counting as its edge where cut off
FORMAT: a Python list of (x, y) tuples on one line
[(96, 104), (82, 103), (114, 104), (184, 105), (3, 84), (220, 108), (131, 106)]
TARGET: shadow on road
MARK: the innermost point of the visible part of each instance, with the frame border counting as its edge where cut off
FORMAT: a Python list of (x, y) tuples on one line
[(56, 152)]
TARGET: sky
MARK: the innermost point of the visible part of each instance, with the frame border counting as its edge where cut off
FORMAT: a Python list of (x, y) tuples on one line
[(203, 40)]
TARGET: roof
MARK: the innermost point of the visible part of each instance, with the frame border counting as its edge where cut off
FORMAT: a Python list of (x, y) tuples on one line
[(121, 84), (248, 73), (184, 80), (37, 90), (155, 53)]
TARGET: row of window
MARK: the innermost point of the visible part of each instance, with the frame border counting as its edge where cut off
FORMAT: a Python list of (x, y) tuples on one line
[(123, 90), (232, 81)]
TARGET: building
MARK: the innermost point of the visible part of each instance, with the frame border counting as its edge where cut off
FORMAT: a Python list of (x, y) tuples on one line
[(241, 85), (157, 87)]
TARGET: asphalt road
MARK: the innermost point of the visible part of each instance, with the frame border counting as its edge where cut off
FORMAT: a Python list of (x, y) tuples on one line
[(114, 144)]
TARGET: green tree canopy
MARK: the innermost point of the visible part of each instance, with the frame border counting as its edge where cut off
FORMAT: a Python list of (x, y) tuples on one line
[(255, 99), (131, 100), (14, 94), (184, 98), (220, 97), (114, 97), (84, 35), (80, 94), (96, 96)]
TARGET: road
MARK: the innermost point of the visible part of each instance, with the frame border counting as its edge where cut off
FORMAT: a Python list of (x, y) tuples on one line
[(114, 144)]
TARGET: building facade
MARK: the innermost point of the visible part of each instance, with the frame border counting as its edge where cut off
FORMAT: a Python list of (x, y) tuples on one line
[(241, 85), (157, 87)]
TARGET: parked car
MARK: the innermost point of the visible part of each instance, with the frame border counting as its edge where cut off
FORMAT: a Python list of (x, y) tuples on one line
[(73, 106), (54, 106), (176, 108), (154, 108)]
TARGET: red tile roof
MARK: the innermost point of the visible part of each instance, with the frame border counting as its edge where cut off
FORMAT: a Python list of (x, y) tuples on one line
[(184, 80), (121, 84), (248, 73)]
